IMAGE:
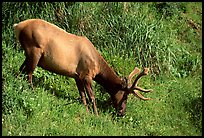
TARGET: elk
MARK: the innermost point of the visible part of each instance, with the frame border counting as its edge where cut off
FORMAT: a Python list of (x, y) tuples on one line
[(53, 49)]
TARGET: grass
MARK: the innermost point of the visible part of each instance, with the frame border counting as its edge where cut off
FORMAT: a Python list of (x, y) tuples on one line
[(164, 36), (175, 110)]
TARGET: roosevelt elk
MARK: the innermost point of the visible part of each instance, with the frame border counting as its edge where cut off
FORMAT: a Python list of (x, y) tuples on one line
[(55, 50)]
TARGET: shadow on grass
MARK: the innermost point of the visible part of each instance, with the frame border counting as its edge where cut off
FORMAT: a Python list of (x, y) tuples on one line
[(60, 94), (102, 105), (195, 109)]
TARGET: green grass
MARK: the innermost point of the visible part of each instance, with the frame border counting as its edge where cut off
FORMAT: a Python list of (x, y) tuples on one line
[(175, 110), (157, 35)]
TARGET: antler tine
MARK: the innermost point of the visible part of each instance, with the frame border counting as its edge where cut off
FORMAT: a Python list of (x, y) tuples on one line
[(132, 74), (135, 92), (134, 88), (143, 90), (144, 72)]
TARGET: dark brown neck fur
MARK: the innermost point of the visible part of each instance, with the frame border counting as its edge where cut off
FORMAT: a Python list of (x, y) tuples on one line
[(108, 78)]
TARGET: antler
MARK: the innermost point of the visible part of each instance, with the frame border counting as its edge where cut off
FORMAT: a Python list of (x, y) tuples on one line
[(134, 88), (137, 94), (132, 74)]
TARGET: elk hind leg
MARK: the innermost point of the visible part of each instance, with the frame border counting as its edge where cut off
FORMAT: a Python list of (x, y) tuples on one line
[(22, 68), (31, 62)]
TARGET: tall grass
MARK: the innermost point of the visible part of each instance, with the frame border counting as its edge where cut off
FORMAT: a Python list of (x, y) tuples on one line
[(164, 36), (130, 30)]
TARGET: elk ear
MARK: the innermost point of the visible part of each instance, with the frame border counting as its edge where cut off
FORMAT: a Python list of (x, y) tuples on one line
[(124, 83)]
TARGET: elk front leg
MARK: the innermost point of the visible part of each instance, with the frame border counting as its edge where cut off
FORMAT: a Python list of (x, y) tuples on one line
[(88, 87), (80, 87)]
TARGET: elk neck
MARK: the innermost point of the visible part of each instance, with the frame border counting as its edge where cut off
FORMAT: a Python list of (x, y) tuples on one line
[(108, 78)]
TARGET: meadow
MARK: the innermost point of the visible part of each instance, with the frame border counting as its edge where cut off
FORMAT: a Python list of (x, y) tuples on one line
[(164, 36)]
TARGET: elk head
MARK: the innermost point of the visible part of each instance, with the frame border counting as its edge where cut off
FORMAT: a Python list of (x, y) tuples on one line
[(120, 98)]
